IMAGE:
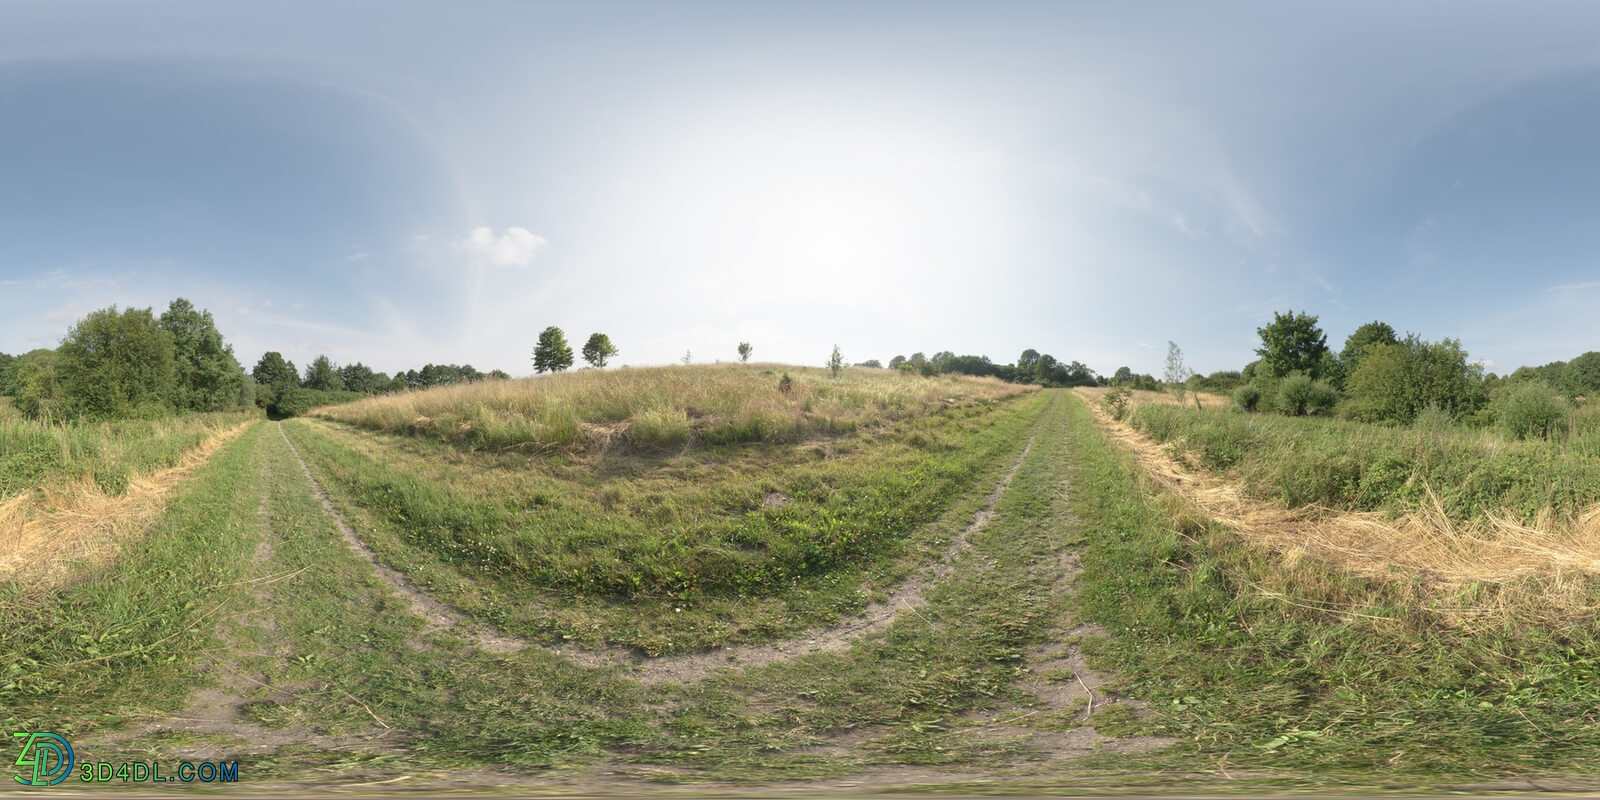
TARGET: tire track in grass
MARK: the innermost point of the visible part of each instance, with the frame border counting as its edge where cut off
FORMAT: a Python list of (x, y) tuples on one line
[(877, 616)]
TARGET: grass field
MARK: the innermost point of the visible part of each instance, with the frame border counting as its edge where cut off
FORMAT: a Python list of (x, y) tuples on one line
[(1363, 467), (1077, 626), (706, 545), (34, 454), (663, 407)]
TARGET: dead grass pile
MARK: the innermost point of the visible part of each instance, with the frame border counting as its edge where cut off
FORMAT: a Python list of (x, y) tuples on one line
[(45, 533), (1539, 570)]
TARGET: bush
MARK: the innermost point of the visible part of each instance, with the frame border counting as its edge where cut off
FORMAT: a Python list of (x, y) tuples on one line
[(1248, 396), (1531, 409), (1433, 419), (785, 383), (1299, 395), (1116, 401), (296, 402)]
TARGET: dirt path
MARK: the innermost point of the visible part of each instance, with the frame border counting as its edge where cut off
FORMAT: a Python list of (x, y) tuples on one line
[(877, 616)]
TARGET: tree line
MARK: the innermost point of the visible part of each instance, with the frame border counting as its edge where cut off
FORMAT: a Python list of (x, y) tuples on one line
[(1380, 376), (132, 363)]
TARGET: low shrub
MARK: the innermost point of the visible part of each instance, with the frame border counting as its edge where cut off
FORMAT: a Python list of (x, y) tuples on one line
[(1248, 396), (1299, 396), (1531, 409)]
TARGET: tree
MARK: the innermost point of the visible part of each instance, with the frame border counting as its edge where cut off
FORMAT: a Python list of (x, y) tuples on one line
[(552, 353), (1394, 382), (1027, 366), (117, 365), (359, 377), (1177, 373), (207, 377), (8, 374), (688, 358), (871, 363), (894, 363), (1581, 376), (1372, 333), (598, 349), (1121, 376), (39, 384), (744, 351), (1292, 343), (272, 370), (323, 376), (836, 362)]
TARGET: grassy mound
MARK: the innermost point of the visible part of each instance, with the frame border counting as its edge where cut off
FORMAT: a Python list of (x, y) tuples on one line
[(662, 407)]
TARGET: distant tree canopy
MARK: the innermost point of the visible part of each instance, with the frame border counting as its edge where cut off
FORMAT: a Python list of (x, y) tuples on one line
[(744, 351), (8, 374), (598, 349), (871, 363), (273, 370), (552, 353), (439, 375), (207, 376), (323, 376), (894, 363), (1292, 343), (39, 384), (359, 377)]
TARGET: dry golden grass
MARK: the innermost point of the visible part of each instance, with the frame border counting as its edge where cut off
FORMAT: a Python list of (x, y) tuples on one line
[(1544, 567), (663, 407), (1141, 397), (43, 534)]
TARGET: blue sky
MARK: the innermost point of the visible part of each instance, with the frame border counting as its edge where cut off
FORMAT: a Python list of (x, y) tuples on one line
[(403, 183)]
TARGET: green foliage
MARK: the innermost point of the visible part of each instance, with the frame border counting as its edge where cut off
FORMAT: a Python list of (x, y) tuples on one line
[(1581, 376), (8, 375), (1531, 409), (1299, 395), (1433, 419), (296, 402), (117, 365), (1248, 396), (871, 363), (744, 351), (1177, 375), (1368, 335), (207, 377), (1291, 343), (39, 385), (894, 363), (1116, 400), (323, 376), (359, 377), (274, 371), (552, 353), (33, 455), (835, 362), (785, 383), (598, 349), (1393, 382)]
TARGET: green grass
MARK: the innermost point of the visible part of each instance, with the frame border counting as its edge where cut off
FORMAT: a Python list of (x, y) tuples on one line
[(123, 637), (111, 453), (655, 408), (670, 552), (1359, 466), (1313, 696)]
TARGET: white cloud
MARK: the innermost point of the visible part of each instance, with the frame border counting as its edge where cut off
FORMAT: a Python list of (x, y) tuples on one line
[(514, 248), (357, 255)]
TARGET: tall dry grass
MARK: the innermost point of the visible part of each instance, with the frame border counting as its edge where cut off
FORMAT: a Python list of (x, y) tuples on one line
[(663, 407), (1541, 569)]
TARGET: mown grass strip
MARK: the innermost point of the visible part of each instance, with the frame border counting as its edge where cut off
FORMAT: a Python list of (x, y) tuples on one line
[(1299, 670), (121, 639)]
